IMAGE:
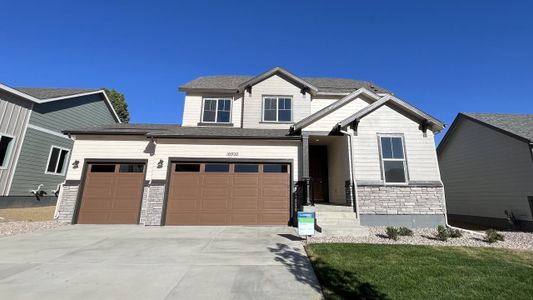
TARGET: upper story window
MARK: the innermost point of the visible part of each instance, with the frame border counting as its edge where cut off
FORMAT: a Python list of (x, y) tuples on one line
[(57, 161), (393, 159), (216, 110), (6, 145), (277, 109)]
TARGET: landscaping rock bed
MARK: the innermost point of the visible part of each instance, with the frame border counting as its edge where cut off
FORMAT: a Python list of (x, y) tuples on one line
[(19, 227), (426, 236)]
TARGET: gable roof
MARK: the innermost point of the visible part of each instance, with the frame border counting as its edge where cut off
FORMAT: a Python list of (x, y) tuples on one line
[(45, 95), (281, 72), (379, 101), (519, 126), (233, 83)]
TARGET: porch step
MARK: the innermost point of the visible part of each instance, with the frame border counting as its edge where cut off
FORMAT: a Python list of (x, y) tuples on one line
[(337, 221)]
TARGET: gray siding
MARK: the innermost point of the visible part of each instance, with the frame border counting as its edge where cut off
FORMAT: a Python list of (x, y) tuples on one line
[(32, 163), (77, 112), (14, 114), (486, 172)]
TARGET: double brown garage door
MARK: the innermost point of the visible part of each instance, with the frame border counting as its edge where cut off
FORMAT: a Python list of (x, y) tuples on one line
[(198, 194), (228, 194)]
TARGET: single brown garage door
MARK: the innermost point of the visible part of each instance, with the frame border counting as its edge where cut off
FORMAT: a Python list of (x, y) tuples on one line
[(112, 194), (228, 194)]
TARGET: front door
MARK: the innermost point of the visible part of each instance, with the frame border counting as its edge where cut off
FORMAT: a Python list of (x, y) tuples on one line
[(318, 170)]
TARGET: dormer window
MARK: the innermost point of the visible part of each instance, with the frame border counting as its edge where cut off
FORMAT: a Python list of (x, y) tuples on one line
[(216, 110), (277, 109)]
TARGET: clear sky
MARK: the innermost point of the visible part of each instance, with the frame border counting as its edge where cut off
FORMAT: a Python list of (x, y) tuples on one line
[(442, 56)]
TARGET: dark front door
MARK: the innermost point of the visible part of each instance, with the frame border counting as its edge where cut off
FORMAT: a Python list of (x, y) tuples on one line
[(318, 170)]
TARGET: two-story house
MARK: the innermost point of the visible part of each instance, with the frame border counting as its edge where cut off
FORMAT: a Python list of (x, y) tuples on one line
[(34, 152), (254, 150)]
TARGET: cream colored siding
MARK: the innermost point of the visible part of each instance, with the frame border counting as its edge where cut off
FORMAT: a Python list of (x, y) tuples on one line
[(192, 109), (319, 103), (274, 86), (327, 122), (486, 172), (14, 115), (134, 148), (420, 151)]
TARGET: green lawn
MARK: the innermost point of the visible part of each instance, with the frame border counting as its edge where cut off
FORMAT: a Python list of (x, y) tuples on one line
[(359, 271)]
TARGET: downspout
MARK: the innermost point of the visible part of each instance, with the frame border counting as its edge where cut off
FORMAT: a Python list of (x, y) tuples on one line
[(446, 217), (355, 205)]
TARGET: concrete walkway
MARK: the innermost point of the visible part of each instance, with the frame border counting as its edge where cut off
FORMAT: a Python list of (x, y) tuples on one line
[(137, 262)]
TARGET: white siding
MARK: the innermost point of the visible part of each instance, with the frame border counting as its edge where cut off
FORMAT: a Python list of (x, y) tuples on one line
[(133, 148), (192, 109), (486, 172), (338, 171), (274, 86), (327, 122), (420, 151), (319, 103)]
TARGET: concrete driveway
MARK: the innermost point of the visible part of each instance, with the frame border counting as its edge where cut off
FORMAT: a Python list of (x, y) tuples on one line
[(137, 262)]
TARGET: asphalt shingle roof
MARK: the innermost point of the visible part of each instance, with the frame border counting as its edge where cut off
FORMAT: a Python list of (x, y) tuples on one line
[(517, 124), (47, 93), (341, 85), (172, 130)]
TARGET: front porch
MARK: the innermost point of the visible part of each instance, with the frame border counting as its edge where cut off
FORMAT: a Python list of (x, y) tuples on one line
[(329, 185)]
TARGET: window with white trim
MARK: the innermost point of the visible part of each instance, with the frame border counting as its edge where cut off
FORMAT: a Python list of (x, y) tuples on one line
[(57, 161), (6, 146), (393, 159), (277, 109), (216, 110)]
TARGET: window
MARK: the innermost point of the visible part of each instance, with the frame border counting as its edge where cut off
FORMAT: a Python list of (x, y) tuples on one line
[(102, 168), (246, 168), (393, 159), (217, 111), (6, 145), (131, 168), (275, 168), (187, 168), (277, 109), (57, 161), (217, 168)]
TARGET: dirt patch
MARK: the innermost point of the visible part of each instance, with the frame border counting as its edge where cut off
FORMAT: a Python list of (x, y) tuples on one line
[(45, 213)]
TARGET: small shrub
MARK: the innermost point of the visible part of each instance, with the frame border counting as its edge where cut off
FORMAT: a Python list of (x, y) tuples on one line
[(455, 233), (492, 236), (392, 233), (442, 233), (404, 231)]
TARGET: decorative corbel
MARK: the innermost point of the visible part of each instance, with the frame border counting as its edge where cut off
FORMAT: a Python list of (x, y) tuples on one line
[(355, 125), (248, 89), (304, 90), (424, 127)]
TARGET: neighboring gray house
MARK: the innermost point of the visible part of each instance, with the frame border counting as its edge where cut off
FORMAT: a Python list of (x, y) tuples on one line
[(486, 164), (33, 152)]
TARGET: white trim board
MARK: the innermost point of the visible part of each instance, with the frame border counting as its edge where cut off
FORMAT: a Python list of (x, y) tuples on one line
[(41, 129)]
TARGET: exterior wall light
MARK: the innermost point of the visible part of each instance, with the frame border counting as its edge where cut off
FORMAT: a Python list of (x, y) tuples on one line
[(76, 164), (160, 164)]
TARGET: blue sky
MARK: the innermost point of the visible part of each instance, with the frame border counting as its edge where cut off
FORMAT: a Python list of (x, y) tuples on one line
[(442, 56)]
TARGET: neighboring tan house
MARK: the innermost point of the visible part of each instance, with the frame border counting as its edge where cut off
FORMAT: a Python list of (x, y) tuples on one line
[(33, 152), (246, 149), (486, 163)]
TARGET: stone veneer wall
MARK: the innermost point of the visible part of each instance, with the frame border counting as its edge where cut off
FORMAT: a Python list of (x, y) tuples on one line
[(67, 202), (415, 206), (152, 204)]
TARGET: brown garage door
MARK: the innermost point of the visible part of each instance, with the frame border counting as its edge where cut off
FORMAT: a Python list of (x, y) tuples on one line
[(112, 194), (228, 194)]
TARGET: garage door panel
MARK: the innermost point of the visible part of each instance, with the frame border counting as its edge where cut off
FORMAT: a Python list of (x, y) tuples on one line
[(111, 196), (245, 203), (246, 196)]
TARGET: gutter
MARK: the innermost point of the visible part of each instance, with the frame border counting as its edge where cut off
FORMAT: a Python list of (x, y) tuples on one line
[(352, 177)]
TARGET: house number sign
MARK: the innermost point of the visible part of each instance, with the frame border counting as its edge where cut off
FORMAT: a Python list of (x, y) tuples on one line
[(232, 154)]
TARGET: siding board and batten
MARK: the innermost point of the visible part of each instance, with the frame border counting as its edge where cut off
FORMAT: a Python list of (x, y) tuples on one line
[(14, 113)]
